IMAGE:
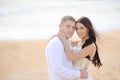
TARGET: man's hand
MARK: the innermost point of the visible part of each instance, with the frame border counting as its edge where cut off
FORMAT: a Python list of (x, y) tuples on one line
[(84, 74)]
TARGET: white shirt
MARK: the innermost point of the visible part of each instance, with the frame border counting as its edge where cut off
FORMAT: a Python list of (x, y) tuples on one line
[(59, 67)]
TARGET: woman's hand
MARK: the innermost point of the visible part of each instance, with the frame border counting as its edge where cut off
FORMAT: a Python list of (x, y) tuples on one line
[(61, 35)]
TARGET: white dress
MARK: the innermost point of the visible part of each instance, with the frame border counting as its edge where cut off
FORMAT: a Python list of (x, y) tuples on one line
[(81, 64)]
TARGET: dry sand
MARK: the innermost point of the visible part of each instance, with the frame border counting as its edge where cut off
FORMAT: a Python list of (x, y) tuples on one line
[(25, 60)]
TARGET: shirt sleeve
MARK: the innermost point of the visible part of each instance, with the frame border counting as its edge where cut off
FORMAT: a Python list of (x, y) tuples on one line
[(55, 51)]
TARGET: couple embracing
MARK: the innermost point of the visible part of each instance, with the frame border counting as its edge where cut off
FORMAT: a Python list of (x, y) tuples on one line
[(66, 62)]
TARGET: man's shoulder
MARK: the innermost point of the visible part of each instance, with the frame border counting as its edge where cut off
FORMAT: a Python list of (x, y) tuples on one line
[(54, 40)]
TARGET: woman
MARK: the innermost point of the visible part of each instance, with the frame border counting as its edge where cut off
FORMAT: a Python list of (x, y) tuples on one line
[(85, 51)]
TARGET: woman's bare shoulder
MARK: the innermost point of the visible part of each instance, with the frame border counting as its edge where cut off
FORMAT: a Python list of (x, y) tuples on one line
[(93, 46), (93, 50)]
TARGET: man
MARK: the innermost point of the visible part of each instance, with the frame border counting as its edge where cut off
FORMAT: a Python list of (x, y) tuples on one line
[(59, 67)]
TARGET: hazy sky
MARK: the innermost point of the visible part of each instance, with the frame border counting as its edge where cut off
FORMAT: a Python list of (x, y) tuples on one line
[(38, 18)]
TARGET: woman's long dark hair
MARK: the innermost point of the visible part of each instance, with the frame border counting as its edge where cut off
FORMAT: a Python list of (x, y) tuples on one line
[(92, 39)]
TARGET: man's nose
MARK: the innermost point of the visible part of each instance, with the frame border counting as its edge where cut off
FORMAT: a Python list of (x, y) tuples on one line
[(71, 29)]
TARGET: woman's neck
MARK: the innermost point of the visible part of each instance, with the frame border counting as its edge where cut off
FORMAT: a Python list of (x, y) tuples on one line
[(84, 39)]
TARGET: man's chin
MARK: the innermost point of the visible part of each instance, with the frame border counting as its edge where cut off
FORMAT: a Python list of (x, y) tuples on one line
[(68, 37)]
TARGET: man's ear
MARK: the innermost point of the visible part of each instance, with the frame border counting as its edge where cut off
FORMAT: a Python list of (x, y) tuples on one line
[(60, 26)]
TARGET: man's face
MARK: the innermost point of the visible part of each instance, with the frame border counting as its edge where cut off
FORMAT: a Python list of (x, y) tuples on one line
[(68, 27)]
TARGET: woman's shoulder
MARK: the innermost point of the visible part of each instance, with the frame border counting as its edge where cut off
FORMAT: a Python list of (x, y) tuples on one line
[(93, 46), (93, 50)]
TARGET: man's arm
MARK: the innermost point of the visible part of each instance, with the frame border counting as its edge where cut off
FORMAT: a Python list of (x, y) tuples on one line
[(56, 61)]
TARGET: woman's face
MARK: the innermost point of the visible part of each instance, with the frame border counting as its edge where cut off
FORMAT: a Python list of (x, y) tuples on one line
[(81, 30)]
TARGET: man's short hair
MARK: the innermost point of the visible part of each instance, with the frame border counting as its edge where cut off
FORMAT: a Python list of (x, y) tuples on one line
[(65, 18)]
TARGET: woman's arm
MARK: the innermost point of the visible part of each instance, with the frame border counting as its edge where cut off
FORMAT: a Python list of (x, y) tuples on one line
[(89, 50)]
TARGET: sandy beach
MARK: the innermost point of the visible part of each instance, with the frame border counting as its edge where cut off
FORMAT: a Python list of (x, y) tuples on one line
[(25, 60)]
